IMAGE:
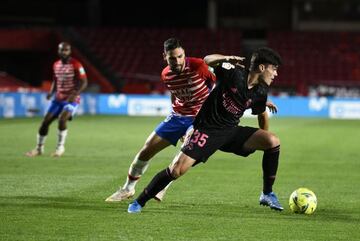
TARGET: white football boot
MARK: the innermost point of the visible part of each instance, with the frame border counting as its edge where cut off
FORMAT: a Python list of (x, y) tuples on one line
[(37, 151), (120, 195), (59, 151)]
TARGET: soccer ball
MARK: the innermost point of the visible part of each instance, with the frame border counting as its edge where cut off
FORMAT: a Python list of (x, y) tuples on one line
[(303, 200)]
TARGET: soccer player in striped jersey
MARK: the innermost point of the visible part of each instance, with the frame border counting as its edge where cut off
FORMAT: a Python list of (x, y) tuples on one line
[(189, 82), (69, 80)]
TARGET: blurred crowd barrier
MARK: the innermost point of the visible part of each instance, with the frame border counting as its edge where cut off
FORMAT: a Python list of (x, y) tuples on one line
[(35, 104)]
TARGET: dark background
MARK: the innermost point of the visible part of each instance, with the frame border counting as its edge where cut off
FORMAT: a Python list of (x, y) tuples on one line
[(256, 20), (245, 14)]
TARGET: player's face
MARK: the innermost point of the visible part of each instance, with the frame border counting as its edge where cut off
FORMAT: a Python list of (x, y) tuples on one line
[(64, 51), (269, 72), (175, 59)]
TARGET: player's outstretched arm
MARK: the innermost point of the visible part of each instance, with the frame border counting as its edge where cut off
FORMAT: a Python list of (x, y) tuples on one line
[(214, 59)]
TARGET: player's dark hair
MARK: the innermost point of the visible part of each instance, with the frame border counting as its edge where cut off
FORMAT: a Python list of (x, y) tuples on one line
[(264, 55), (171, 44)]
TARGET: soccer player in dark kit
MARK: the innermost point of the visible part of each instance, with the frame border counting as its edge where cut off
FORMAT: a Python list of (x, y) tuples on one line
[(216, 125)]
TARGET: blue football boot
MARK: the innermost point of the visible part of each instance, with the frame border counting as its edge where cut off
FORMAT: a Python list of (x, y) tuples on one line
[(134, 207), (270, 200)]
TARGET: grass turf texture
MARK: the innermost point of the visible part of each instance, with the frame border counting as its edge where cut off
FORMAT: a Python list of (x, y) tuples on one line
[(47, 198)]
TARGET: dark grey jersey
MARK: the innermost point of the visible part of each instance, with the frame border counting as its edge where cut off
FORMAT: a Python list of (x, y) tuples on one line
[(230, 98)]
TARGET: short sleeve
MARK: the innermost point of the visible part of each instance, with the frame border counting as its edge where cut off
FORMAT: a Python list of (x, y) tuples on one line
[(207, 75), (80, 70), (224, 71), (259, 106)]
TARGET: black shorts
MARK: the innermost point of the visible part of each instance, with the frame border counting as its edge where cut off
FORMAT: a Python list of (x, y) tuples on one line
[(204, 142)]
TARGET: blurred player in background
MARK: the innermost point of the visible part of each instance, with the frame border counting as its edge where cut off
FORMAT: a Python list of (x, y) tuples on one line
[(216, 126), (189, 82), (69, 80)]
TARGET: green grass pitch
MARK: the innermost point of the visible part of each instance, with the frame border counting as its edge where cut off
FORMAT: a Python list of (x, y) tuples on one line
[(45, 198)]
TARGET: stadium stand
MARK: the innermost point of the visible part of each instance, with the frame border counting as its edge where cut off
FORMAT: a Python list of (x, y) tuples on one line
[(10, 83), (317, 58), (135, 54), (41, 43), (312, 60)]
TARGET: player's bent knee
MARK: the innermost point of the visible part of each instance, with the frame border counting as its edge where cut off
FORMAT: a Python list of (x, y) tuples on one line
[(62, 122), (63, 118), (176, 173), (273, 141), (44, 125), (177, 169)]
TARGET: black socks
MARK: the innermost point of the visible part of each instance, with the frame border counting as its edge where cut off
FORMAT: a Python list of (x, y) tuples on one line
[(158, 183), (270, 164)]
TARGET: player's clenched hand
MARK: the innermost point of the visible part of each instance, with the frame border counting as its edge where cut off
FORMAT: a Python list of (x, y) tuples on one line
[(273, 108), (236, 60), (72, 96), (188, 134)]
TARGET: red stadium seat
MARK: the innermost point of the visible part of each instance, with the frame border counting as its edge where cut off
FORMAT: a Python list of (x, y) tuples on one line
[(138, 52), (320, 58)]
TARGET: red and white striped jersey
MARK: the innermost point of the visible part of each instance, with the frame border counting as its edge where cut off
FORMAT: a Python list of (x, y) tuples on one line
[(190, 88), (67, 76)]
